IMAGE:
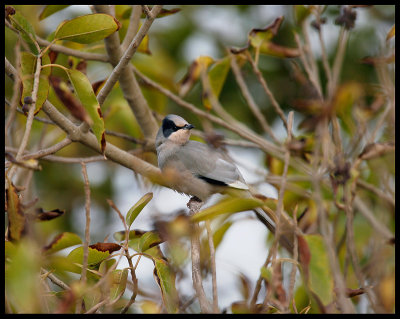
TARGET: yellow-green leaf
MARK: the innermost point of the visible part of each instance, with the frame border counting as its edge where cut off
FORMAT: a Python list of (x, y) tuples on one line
[(62, 241), (137, 208), (391, 33), (50, 9), (84, 91), (229, 205), (301, 12), (320, 276), (260, 39), (27, 32), (87, 29), (16, 217), (165, 279), (216, 77), (28, 69), (148, 240), (220, 232), (22, 278), (95, 257), (199, 65), (119, 280)]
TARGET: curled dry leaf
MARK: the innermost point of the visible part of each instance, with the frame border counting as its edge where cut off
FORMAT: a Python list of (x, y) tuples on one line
[(69, 100), (110, 247), (48, 215)]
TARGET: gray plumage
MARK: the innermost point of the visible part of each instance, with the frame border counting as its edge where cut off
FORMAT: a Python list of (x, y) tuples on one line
[(175, 150)]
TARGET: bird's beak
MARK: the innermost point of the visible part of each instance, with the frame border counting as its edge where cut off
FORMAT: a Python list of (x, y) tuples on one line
[(188, 127)]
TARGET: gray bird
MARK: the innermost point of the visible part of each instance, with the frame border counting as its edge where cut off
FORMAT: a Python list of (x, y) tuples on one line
[(199, 170)]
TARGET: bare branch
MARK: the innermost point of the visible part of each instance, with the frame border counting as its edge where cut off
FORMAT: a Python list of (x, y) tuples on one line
[(261, 79), (250, 101)]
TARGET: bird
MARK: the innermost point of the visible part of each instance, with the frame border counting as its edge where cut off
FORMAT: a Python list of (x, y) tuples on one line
[(198, 170)]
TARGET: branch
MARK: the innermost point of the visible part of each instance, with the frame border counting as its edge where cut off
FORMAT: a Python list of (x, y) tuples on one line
[(47, 151), (261, 79), (213, 266), (250, 101), (133, 27), (76, 53), (194, 205), (87, 235), (122, 72)]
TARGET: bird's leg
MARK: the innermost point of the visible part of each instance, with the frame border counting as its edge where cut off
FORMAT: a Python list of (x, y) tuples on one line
[(194, 204)]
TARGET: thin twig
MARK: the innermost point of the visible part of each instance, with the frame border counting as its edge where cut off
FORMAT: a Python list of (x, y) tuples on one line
[(47, 151), (381, 194), (128, 257), (87, 234), (16, 93), (194, 206), (279, 213), (307, 66), (125, 59), (249, 99), (264, 84), (133, 27), (31, 113), (311, 59), (54, 279), (294, 266), (213, 266), (77, 53), (337, 65), (344, 304), (351, 249)]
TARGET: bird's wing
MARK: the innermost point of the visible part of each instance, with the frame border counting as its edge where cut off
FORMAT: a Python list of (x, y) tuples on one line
[(209, 165)]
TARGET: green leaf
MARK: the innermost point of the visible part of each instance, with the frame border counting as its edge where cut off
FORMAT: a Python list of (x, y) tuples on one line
[(27, 32), (220, 232), (9, 249), (21, 278), (260, 39), (320, 276), (148, 240), (216, 77), (28, 69), (87, 29), (165, 279), (229, 205), (95, 257), (301, 12), (84, 91), (119, 280), (137, 208), (50, 9), (62, 241)]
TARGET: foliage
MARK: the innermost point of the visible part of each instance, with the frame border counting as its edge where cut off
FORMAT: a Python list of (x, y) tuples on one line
[(322, 118)]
